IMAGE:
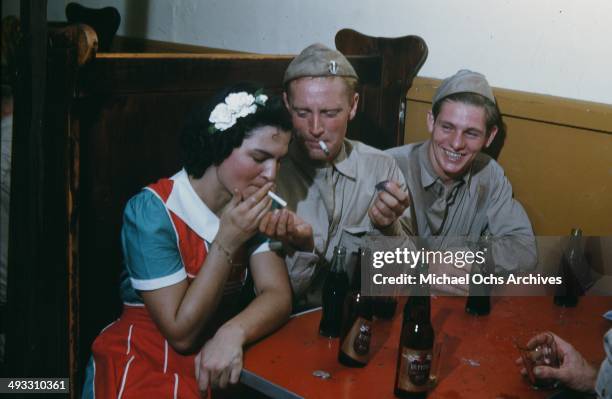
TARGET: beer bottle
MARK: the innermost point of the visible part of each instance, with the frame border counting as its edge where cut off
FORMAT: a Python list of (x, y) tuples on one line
[(356, 332), (567, 293), (334, 292), (479, 301), (416, 346)]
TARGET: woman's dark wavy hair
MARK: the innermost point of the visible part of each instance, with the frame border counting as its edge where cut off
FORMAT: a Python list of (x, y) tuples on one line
[(201, 148)]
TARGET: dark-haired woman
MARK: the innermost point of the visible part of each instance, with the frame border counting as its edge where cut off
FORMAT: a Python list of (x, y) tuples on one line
[(186, 241)]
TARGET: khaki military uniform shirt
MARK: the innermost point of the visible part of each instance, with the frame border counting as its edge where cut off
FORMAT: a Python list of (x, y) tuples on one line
[(464, 210), (335, 200)]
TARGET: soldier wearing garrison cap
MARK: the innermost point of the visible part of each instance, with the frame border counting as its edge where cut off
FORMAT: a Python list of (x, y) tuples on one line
[(328, 180), (458, 193)]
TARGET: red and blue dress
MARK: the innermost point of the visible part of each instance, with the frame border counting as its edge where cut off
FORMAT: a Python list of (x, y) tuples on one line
[(167, 230)]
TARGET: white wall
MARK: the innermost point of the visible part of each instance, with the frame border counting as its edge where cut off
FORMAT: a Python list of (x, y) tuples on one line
[(557, 47)]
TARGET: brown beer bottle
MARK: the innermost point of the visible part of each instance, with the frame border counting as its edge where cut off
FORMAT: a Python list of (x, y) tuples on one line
[(567, 293), (416, 346), (479, 300), (356, 331), (334, 291)]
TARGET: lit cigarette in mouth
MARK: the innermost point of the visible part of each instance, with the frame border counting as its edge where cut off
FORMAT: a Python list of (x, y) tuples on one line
[(324, 147), (277, 199)]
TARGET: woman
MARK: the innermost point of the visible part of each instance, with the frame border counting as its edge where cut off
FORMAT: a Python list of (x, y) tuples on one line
[(186, 241)]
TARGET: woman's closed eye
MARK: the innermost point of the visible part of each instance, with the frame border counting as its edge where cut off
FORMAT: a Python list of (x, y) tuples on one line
[(259, 158)]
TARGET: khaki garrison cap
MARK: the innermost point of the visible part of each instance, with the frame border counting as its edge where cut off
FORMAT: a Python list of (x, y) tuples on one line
[(464, 81), (319, 60)]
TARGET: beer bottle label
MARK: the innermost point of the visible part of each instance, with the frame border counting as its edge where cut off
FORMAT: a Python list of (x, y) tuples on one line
[(357, 342), (414, 370)]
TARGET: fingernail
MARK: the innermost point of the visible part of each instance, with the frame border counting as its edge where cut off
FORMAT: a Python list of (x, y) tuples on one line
[(537, 371)]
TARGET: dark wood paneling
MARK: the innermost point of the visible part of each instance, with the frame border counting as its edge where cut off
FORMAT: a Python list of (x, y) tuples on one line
[(37, 338), (137, 73)]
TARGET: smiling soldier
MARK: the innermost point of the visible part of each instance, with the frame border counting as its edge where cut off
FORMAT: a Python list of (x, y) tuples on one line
[(458, 191)]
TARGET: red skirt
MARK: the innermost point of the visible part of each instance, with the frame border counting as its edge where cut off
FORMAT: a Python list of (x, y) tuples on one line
[(131, 359)]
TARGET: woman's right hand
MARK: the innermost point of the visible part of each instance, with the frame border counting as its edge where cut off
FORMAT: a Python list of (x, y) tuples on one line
[(241, 217)]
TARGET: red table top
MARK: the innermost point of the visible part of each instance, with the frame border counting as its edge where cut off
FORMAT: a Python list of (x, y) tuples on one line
[(477, 359)]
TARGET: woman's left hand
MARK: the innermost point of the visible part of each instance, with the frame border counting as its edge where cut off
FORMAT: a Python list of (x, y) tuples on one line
[(220, 360)]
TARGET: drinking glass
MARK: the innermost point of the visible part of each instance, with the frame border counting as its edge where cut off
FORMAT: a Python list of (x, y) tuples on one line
[(542, 353)]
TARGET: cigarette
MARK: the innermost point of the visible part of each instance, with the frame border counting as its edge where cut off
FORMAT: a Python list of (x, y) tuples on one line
[(277, 199), (324, 147)]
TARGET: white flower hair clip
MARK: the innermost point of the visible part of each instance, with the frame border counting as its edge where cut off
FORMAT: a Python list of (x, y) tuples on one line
[(236, 105)]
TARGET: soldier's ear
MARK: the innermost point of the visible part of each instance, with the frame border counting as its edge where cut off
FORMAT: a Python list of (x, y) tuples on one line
[(491, 137), (430, 121)]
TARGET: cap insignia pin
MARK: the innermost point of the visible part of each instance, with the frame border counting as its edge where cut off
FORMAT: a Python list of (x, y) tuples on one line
[(333, 67)]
